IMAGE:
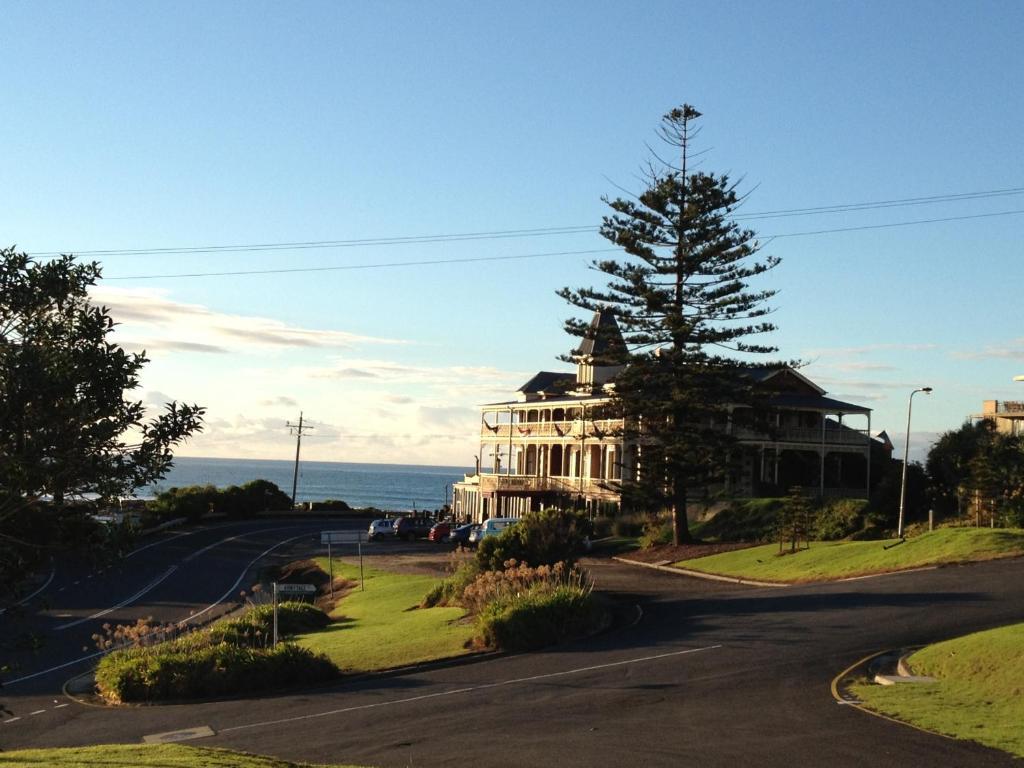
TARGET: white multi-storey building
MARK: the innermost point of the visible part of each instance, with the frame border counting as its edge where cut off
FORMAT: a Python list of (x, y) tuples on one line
[(559, 444)]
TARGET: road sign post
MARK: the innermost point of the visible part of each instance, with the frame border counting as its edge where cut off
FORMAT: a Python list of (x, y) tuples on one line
[(289, 589)]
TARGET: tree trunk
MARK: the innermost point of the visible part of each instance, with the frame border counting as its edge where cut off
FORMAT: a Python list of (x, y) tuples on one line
[(680, 524)]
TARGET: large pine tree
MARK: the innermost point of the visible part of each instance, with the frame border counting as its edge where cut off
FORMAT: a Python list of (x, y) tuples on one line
[(687, 316)]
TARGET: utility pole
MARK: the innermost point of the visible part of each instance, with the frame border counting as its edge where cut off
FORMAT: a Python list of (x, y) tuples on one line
[(296, 429)]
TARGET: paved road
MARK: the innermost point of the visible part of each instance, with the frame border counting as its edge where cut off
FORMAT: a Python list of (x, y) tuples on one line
[(712, 675)]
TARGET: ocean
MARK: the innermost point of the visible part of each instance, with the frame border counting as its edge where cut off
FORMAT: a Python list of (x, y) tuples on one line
[(385, 486)]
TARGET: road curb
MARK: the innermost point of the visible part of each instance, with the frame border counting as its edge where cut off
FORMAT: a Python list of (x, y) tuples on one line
[(699, 574), (855, 704)]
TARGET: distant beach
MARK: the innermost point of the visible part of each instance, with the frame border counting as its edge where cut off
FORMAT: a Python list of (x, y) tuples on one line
[(384, 486)]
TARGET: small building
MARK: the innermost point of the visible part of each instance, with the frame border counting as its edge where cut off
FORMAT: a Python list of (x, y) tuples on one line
[(1007, 415), (560, 443)]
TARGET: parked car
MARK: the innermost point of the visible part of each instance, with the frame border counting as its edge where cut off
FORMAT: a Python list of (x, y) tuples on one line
[(413, 527), (380, 529), (460, 534), (494, 526), (440, 531)]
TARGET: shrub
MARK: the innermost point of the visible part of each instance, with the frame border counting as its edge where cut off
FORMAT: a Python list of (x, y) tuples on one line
[(231, 657), (194, 501), (538, 617), (449, 591), (628, 526), (657, 530), (539, 538), (747, 520), (840, 519)]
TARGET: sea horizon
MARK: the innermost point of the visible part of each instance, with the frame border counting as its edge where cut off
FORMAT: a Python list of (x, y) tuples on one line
[(380, 485)]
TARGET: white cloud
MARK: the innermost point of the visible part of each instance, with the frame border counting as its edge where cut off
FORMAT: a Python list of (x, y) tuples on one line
[(149, 319), (1010, 350)]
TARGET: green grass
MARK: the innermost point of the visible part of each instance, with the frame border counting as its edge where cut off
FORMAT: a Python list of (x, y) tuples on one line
[(979, 696), (381, 627), (843, 559), (141, 756)]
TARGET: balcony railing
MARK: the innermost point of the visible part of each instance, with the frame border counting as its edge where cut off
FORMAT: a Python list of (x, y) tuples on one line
[(611, 427), (1009, 406), (597, 428), (805, 435), (590, 486)]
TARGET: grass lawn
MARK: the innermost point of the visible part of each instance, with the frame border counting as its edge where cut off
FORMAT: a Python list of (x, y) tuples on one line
[(141, 756), (979, 696), (842, 559), (381, 628)]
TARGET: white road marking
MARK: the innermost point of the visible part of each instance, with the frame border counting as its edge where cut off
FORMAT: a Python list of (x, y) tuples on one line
[(161, 541), (152, 585), (241, 576), (37, 712), (54, 669), (53, 572), (11, 720), (183, 735), (469, 689), (61, 706)]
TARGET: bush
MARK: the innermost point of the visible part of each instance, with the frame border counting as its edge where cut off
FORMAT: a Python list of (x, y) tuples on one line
[(538, 617), (232, 657), (840, 519), (748, 520), (657, 530), (194, 501), (330, 505), (539, 538), (192, 667), (628, 526), (449, 591)]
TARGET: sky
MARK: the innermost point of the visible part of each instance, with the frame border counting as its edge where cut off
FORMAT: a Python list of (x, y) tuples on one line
[(147, 126)]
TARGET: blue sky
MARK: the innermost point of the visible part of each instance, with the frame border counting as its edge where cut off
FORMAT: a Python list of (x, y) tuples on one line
[(149, 125)]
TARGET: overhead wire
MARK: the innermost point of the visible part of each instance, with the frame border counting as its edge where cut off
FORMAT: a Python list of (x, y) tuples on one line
[(526, 232), (471, 259)]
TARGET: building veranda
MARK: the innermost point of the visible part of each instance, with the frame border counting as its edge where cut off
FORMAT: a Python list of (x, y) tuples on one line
[(559, 443)]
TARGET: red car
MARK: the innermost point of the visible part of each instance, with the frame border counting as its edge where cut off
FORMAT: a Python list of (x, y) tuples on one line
[(440, 532)]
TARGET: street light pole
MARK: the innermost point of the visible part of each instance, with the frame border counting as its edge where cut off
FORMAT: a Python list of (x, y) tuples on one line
[(906, 458)]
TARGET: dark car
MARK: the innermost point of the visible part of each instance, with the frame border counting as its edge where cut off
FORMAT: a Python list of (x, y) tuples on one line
[(413, 527), (440, 531), (460, 535)]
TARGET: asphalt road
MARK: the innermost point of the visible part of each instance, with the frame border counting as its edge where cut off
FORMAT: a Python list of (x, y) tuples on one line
[(712, 674)]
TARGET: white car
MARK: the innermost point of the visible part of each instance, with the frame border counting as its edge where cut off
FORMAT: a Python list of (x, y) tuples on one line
[(379, 529)]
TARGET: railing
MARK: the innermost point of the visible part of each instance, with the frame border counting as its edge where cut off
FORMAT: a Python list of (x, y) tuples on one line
[(597, 428), (1009, 406), (805, 435), (589, 485)]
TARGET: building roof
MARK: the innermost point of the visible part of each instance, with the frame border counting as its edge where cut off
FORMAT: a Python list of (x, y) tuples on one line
[(549, 381), (815, 403), (603, 337)]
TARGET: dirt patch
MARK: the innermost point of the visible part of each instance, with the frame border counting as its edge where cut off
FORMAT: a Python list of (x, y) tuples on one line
[(437, 564), (673, 554)]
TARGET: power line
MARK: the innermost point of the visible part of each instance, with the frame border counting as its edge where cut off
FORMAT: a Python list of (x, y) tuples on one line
[(907, 201), (471, 259), (520, 233), (423, 262)]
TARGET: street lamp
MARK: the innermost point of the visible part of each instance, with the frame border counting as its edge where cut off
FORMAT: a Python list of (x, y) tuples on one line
[(906, 457), (1018, 378)]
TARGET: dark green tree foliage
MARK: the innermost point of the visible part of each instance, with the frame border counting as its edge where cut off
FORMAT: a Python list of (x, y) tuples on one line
[(687, 314), (540, 538), (194, 501), (67, 428), (980, 468), (795, 520)]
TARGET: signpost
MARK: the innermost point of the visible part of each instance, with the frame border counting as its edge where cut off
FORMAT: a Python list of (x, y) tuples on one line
[(289, 589), (343, 537)]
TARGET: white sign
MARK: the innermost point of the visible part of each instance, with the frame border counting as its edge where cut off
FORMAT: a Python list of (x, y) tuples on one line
[(339, 537), (294, 589)]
